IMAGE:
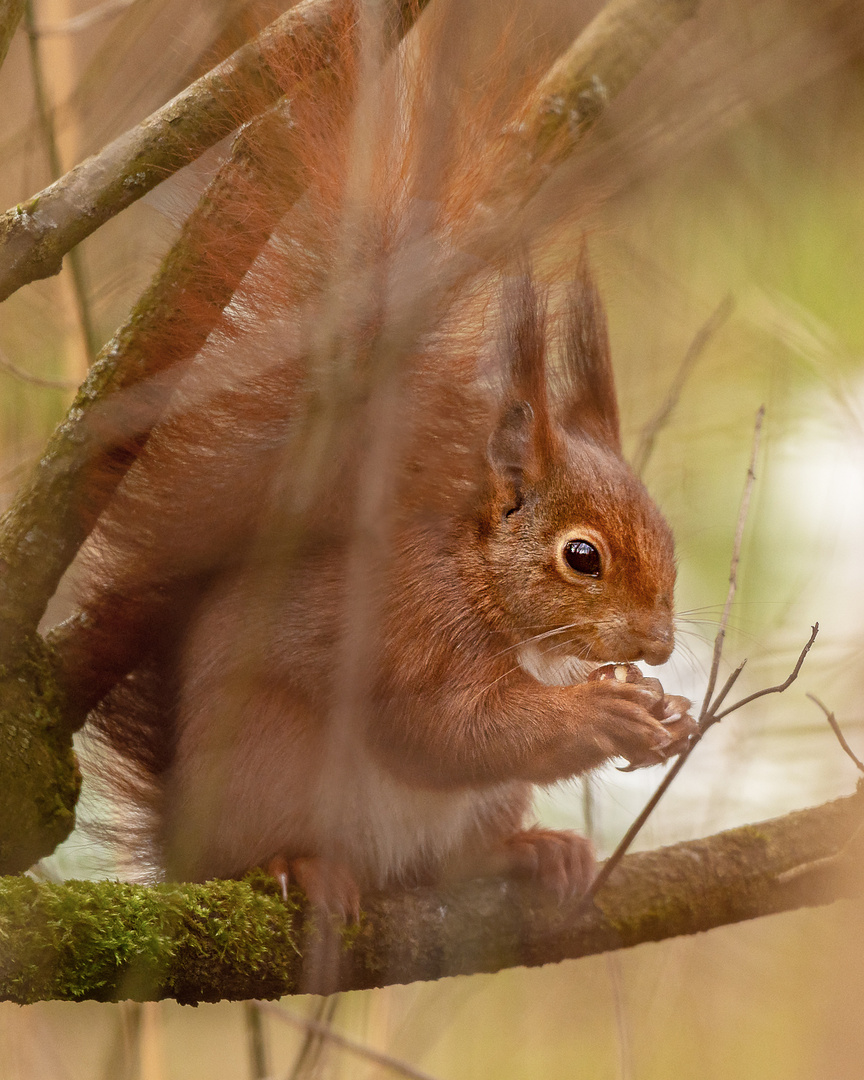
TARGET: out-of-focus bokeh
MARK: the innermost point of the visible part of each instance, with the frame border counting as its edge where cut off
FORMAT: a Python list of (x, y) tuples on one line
[(760, 201)]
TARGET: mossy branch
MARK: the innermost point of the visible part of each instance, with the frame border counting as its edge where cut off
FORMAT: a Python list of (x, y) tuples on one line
[(229, 939)]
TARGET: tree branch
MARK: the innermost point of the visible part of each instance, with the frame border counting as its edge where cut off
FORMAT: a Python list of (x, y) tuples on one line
[(36, 234), (11, 12), (229, 939)]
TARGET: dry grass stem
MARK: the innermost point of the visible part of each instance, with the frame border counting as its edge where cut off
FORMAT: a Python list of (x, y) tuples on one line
[(76, 23), (49, 137), (327, 1033), (697, 346), (35, 380)]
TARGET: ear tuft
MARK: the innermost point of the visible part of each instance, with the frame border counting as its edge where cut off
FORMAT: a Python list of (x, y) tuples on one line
[(589, 400), (522, 440)]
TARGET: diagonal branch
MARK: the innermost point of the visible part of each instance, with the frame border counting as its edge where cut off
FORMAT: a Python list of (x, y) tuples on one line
[(11, 12)]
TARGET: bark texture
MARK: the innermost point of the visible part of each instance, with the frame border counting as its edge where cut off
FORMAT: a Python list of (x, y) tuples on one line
[(229, 939)]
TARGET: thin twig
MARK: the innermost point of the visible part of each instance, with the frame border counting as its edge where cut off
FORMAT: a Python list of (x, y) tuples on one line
[(733, 567), (835, 727), (392, 1063), (721, 697), (25, 376), (49, 134), (715, 716), (708, 714), (627, 839), (697, 346)]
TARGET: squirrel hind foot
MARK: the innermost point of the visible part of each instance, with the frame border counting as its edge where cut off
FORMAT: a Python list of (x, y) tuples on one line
[(330, 886), (560, 861)]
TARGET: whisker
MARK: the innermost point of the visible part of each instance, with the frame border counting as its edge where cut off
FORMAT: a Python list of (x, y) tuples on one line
[(536, 637), (489, 686)]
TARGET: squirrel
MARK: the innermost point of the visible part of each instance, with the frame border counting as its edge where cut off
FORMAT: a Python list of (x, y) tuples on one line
[(341, 617)]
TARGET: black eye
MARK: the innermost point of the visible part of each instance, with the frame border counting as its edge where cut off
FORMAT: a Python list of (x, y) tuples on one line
[(582, 557)]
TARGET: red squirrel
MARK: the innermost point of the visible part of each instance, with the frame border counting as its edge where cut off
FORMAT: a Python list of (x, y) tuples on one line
[(343, 636)]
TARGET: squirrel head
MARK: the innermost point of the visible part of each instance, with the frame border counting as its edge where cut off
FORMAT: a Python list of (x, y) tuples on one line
[(575, 553)]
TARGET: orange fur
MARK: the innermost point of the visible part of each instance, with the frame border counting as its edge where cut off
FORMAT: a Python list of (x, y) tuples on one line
[(313, 615)]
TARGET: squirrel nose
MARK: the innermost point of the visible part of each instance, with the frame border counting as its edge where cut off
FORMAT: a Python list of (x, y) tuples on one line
[(657, 645), (656, 652)]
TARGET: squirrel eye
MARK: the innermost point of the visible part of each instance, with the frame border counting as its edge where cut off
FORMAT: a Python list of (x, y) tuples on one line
[(582, 557)]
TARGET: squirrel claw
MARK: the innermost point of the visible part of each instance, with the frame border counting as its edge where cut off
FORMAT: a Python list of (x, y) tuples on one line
[(279, 868), (560, 861), (330, 887)]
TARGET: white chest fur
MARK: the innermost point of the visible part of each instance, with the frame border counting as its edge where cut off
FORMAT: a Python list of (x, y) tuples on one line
[(550, 667), (385, 829)]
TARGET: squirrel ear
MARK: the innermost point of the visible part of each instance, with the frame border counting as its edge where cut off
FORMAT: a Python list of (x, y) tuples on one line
[(589, 400), (521, 439), (510, 450)]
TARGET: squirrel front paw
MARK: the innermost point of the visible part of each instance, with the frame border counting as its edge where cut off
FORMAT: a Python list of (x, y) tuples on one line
[(638, 720), (671, 710)]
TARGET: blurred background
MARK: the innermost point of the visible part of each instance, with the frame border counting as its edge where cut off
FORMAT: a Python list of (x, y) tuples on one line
[(742, 179)]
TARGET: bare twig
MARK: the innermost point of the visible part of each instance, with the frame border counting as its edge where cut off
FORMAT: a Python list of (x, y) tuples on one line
[(36, 380), (733, 566), (727, 686), (707, 718), (778, 689), (708, 714), (835, 727), (697, 346), (351, 1045)]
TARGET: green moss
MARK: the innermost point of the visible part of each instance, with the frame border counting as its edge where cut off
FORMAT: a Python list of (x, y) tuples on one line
[(108, 941), (39, 777)]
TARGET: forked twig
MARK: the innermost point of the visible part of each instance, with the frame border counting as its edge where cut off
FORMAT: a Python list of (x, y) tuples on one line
[(835, 727), (695, 349), (710, 712)]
